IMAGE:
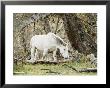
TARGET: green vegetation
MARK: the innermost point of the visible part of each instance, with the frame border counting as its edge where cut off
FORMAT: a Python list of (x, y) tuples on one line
[(52, 69)]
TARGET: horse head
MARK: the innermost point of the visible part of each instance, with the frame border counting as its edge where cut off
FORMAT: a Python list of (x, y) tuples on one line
[(64, 51)]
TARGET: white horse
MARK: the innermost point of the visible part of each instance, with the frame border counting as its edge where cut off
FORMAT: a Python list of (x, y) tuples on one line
[(46, 42)]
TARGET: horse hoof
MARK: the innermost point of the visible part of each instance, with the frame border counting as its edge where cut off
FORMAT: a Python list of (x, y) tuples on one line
[(55, 62), (31, 61)]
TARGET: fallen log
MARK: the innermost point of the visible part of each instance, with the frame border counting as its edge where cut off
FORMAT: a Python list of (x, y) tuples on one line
[(88, 70), (49, 62), (82, 69), (50, 71), (19, 73)]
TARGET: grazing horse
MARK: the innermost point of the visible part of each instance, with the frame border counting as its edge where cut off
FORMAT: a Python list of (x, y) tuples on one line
[(46, 42)]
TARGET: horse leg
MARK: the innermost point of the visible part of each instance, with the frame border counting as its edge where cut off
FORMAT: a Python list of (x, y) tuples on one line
[(54, 56), (44, 54), (36, 54)]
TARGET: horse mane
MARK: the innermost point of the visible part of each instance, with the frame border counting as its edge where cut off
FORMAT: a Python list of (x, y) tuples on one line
[(57, 38)]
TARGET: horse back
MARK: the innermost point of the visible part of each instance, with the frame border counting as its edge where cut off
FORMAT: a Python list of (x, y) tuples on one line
[(42, 41)]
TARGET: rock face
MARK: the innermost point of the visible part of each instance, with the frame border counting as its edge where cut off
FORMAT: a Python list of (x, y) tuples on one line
[(79, 30)]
